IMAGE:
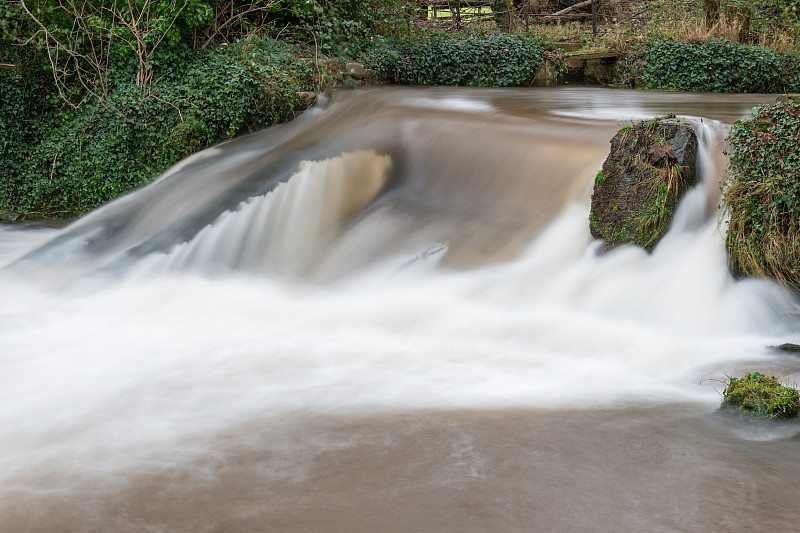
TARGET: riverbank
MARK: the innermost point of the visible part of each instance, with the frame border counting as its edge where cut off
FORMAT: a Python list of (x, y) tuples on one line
[(75, 138)]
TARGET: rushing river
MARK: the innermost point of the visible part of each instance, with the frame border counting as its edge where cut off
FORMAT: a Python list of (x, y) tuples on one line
[(389, 316)]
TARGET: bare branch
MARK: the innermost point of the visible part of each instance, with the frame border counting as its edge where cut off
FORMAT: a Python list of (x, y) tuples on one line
[(233, 18)]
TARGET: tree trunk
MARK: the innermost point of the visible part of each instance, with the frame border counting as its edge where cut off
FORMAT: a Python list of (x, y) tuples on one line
[(502, 14)]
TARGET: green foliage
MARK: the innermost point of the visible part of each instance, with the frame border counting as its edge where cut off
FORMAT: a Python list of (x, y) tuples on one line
[(761, 396), (494, 60), (109, 146), (762, 194), (28, 107), (713, 66), (345, 27), (600, 178)]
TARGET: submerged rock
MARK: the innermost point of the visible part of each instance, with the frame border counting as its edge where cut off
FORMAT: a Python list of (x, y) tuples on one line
[(304, 100), (9, 217), (787, 347), (650, 166)]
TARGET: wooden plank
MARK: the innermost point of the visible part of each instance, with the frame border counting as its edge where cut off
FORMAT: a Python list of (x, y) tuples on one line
[(7, 66)]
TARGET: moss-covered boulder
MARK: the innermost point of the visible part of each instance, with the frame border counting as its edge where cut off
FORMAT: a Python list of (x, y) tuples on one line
[(761, 396), (787, 347), (650, 166), (762, 194)]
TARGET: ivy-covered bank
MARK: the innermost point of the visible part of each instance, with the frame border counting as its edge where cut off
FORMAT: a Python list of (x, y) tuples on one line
[(484, 60), (59, 161), (97, 99), (762, 194)]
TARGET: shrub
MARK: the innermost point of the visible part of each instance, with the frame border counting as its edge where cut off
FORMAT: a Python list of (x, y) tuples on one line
[(761, 396), (762, 194), (29, 105), (714, 66), (485, 60), (344, 27), (85, 157)]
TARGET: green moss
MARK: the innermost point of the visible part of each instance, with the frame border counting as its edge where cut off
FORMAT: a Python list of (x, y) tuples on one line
[(761, 396)]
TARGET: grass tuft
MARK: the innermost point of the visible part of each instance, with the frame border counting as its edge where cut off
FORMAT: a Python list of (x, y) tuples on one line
[(761, 396)]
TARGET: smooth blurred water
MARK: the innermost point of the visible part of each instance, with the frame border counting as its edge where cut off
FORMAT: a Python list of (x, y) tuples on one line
[(389, 315)]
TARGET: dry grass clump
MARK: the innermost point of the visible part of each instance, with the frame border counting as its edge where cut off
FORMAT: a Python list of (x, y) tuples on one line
[(625, 25)]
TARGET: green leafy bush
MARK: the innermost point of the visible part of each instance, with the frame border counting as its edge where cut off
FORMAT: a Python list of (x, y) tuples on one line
[(713, 66), (29, 106), (82, 158), (345, 27), (762, 194), (495, 60), (758, 395)]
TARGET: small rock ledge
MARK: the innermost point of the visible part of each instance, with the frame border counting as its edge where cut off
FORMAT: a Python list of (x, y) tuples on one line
[(332, 73)]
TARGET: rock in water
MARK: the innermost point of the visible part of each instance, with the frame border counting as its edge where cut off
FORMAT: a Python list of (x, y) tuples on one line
[(761, 396), (650, 166)]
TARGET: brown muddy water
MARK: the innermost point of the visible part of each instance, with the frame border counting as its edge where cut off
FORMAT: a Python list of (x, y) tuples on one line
[(389, 315)]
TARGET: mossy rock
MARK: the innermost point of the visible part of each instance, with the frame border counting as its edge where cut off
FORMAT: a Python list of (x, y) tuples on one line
[(787, 347), (8, 217), (650, 166), (793, 98), (762, 194), (761, 396)]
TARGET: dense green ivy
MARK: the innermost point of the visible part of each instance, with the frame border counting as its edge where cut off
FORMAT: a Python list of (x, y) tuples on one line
[(762, 193), (106, 98), (345, 27), (714, 66), (78, 159), (495, 60)]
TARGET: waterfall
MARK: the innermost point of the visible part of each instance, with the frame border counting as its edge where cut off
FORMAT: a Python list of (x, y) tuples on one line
[(389, 315)]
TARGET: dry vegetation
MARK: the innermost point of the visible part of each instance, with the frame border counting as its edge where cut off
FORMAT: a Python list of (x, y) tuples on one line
[(626, 24)]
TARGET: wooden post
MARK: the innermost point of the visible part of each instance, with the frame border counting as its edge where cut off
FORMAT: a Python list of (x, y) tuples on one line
[(594, 18), (526, 6)]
